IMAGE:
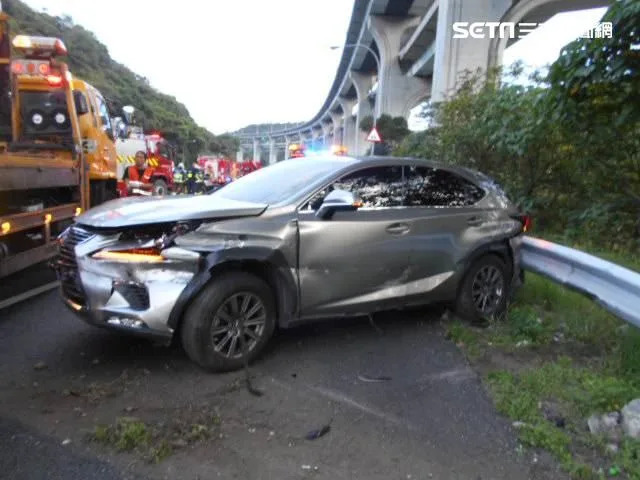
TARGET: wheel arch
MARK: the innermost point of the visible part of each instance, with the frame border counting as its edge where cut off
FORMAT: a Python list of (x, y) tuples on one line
[(265, 264), (500, 248)]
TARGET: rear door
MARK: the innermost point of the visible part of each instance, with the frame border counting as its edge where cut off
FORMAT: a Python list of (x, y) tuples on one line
[(356, 261), (445, 226)]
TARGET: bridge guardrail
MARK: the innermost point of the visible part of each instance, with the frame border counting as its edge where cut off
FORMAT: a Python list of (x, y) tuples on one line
[(615, 288)]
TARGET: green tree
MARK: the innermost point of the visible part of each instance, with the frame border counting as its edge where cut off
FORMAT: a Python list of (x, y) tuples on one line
[(90, 60), (392, 130)]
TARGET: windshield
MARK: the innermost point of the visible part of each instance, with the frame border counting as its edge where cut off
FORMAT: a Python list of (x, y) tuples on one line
[(280, 182)]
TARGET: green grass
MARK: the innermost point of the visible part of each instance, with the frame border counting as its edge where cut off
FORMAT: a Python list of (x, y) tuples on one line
[(566, 351), (576, 393), (154, 443), (126, 435)]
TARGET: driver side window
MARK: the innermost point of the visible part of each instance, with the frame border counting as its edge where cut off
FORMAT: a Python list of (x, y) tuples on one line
[(378, 187)]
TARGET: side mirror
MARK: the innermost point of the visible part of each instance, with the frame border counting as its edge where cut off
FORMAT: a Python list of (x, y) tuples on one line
[(128, 110), (80, 100), (119, 128), (338, 201)]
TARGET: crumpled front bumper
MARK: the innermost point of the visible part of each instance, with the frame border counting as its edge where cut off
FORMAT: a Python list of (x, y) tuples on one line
[(135, 298)]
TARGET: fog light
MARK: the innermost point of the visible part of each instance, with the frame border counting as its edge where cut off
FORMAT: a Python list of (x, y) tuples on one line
[(126, 322)]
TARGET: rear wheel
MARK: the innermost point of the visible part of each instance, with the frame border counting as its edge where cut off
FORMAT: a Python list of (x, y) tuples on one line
[(160, 187), (484, 290), (230, 322)]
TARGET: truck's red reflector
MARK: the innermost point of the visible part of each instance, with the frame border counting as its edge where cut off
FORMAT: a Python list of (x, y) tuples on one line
[(17, 67), (43, 68)]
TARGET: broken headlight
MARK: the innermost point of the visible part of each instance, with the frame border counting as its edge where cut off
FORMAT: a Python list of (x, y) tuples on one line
[(152, 244)]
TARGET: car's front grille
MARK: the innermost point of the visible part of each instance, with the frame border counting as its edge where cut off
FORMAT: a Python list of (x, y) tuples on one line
[(67, 265)]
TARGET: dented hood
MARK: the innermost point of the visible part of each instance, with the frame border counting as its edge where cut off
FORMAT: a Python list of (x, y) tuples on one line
[(132, 211)]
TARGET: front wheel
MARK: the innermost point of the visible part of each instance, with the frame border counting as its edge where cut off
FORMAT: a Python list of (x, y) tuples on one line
[(484, 290), (229, 323), (160, 187)]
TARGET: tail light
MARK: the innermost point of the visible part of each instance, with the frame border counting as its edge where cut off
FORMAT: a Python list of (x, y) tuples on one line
[(525, 220)]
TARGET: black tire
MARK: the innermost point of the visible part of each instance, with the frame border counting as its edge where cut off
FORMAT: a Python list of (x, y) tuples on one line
[(472, 291), (102, 191), (198, 331), (160, 187)]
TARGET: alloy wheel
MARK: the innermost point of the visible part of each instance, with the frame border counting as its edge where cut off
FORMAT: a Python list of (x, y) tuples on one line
[(487, 289), (241, 318)]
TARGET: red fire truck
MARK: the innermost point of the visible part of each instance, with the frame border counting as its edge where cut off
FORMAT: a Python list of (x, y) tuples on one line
[(220, 171)]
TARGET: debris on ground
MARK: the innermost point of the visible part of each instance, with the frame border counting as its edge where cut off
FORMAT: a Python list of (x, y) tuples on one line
[(631, 419), (607, 424), (40, 366), (315, 434), (66, 441)]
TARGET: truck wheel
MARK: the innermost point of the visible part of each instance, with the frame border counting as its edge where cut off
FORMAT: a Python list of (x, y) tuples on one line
[(236, 307), (160, 187), (484, 290), (98, 192)]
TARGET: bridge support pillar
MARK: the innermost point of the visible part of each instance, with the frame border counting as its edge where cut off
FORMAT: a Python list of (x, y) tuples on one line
[(327, 136), (256, 150), (362, 83), (336, 121), (348, 137), (454, 56), (273, 151), (240, 154), (397, 92), (287, 142)]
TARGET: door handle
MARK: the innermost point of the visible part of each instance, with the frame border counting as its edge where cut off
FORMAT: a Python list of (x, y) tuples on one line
[(398, 228), (475, 221)]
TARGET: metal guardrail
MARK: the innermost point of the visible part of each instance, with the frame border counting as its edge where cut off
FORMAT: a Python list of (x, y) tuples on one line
[(615, 288)]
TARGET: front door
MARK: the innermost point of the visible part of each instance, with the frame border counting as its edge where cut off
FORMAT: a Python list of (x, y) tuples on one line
[(356, 261)]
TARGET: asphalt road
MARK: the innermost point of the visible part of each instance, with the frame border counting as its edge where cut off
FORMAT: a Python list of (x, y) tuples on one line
[(27, 279), (428, 416)]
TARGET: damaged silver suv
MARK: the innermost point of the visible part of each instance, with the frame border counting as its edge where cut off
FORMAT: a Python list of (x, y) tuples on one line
[(296, 241)]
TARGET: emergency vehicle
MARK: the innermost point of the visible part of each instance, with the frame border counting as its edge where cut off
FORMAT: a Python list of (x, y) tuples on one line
[(220, 171), (160, 159), (57, 151), (296, 150)]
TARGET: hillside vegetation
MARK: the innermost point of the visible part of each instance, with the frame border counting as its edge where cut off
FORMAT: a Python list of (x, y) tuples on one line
[(90, 60)]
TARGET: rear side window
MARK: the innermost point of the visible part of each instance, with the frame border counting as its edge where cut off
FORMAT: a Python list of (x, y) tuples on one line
[(431, 187)]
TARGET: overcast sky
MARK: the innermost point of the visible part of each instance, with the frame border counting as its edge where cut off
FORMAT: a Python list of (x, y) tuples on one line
[(233, 63)]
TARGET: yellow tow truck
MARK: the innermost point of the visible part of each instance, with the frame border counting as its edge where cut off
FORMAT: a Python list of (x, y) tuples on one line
[(57, 148)]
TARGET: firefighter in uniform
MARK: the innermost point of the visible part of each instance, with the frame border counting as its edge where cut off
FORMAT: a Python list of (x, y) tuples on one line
[(138, 175)]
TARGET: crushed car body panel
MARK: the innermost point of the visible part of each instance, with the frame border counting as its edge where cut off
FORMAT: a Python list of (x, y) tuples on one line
[(135, 211)]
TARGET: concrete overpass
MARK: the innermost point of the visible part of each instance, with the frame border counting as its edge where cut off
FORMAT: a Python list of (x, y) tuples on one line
[(399, 53)]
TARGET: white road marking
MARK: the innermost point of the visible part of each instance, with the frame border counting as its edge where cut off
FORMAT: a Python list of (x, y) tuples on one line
[(28, 294)]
